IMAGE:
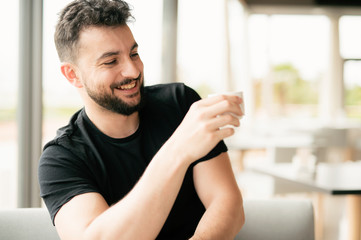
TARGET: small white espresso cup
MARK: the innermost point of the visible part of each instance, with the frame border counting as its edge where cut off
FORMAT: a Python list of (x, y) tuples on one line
[(237, 93)]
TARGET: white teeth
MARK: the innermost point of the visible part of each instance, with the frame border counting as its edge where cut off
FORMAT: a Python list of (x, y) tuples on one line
[(128, 86)]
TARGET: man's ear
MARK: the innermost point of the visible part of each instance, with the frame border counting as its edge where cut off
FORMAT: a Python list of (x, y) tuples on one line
[(70, 72)]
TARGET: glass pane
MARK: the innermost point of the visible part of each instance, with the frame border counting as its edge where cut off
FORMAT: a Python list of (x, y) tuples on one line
[(352, 73), (9, 24), (350, 36), (201, 59), (288, 58), (150, 44)]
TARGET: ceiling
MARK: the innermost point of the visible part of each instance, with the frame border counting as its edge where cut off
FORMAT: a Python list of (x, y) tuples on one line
[(304, 2)]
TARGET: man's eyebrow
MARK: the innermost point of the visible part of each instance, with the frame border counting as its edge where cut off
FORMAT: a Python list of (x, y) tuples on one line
[(135, 45), (108, 54)]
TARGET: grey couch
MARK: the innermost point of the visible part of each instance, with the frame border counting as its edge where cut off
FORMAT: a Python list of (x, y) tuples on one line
[(26, 224), (265, 220), (278, 220)]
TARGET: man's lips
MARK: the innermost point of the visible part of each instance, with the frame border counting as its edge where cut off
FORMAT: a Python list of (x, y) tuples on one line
[(127, 86)]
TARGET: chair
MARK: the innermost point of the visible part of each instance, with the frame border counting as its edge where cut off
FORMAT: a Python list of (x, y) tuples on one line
[(26, 224), (278, 219), (265, 220)]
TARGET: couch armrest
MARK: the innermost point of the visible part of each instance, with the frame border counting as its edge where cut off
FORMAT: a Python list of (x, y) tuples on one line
[(26, 223)]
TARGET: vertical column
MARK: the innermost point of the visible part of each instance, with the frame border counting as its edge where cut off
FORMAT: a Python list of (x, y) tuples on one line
[(268, 81), (331, 100), (169, 41), (248, 81), (30, 101), (229, 74)]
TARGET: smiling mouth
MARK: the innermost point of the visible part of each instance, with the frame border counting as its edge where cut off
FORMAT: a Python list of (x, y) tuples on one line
[(128, 86)]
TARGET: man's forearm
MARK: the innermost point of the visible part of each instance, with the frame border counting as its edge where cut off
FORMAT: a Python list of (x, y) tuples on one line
[(220, 222), (145, 204)]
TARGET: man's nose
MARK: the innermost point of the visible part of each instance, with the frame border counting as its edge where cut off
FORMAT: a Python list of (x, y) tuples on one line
[(130, 69)]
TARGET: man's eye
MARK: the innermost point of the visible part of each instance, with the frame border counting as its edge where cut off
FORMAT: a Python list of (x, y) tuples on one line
[(110, 62), (134, 55)]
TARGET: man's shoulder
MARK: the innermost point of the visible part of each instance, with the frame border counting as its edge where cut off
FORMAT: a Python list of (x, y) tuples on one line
[(71, 133)]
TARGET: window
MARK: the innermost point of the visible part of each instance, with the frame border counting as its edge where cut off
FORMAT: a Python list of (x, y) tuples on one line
[(9, 23), (60, 100), (350, 49), (288, 60), (148, 34), (350, 38), (202, 59)]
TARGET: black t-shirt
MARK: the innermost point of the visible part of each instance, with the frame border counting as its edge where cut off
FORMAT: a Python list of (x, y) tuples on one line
[(82, 159)]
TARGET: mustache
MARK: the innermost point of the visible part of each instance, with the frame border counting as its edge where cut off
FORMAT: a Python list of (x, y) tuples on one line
[(126, 81)]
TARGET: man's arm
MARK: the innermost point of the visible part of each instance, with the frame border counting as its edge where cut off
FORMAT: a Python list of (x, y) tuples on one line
[(143, 211), (218, 190), (139, 215)]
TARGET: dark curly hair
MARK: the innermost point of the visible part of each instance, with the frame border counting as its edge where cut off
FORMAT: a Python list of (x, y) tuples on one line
[(81, 14)]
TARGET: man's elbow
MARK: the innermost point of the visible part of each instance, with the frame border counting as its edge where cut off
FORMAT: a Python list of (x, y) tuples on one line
[(240, 218)]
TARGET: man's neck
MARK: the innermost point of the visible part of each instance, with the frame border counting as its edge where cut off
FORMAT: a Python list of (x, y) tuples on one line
[(112, 124)]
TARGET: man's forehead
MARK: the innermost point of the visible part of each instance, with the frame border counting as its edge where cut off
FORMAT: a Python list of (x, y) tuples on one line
[(107, 34), (103, 39)]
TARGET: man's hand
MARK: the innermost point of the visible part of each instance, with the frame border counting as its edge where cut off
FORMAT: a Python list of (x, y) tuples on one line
[(205, 125)]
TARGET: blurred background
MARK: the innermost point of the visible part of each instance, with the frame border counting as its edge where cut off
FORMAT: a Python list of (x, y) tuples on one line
[(298, 64)]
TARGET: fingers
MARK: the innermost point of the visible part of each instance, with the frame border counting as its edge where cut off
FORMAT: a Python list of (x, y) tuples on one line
[(224, 133), (218, 98), (224, 120), (206, 123), (225, 123), (222, 104)]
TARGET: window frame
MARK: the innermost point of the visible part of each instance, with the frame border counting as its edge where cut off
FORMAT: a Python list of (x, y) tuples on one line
[(30, 102)]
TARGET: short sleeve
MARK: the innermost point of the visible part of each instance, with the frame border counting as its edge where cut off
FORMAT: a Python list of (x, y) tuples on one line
[(62, 176)]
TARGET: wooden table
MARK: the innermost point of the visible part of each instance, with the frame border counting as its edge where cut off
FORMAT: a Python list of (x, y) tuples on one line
[(331, 178)]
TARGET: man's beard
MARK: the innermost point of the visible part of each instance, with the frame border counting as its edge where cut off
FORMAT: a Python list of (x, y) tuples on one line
[(115, 104)]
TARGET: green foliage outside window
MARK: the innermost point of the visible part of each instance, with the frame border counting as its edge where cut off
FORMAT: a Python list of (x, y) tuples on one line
[(290, 88), (353, 102), (353, 96)]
